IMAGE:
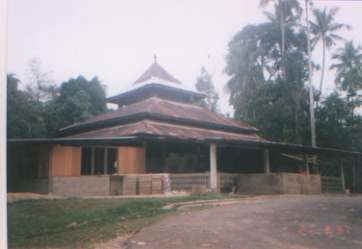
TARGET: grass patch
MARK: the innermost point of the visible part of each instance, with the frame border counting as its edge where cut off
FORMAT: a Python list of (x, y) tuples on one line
[(79, 223)]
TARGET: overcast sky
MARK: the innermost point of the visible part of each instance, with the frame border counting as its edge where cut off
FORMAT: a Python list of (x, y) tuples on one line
[(116, 39)]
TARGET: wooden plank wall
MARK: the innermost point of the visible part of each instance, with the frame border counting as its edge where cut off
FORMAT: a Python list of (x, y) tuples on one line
[(131, 160), (65, 161)]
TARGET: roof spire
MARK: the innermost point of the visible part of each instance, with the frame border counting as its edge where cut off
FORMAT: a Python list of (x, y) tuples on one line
[(155, 58)]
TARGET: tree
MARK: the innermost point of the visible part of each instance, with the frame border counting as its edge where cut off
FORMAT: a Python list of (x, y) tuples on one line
[(325, 29), (78, 99), (39, 84), (348, 68), (286, 12), (205, 85), (338, 125), (24, 114), (260, 92)]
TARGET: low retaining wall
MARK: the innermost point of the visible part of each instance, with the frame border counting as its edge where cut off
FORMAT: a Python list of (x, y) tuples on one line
[(189, 182), (332, 184), (276, 183), (81, 185), (301, 184), (140, 184), (104, 185), (272, 183), (147, 184)]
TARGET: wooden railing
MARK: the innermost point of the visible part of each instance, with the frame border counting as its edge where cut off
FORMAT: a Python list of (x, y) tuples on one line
[(189, 181), (331, 184)]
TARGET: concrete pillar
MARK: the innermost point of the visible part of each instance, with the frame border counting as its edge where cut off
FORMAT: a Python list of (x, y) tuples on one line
[(266, 161), (213, 167)]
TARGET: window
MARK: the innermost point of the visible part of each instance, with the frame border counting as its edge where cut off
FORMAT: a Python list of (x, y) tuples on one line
[(98, 160)]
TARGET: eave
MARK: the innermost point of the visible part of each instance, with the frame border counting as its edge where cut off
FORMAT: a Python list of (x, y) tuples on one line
[(155, 89), (140, 138), (151, 116)]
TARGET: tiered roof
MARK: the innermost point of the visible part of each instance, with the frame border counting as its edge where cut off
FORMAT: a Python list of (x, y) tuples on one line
[(160, 106), (156, 81)]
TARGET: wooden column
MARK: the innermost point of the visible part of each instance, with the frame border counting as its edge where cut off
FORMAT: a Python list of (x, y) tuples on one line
[(163, 158), (105, 162), (213, 167), (144, 155), (342, 176), (50, 171), (354, 174), (266, 161), (358, 174), (307, 171), (93, 155)]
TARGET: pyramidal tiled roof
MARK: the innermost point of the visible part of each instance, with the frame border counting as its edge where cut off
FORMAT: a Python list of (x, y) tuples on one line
[(155, 71)]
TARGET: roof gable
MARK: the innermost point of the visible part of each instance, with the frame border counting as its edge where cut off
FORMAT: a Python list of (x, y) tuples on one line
[(158, 74)]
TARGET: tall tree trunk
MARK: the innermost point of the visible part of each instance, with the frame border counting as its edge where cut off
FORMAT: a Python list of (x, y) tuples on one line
[(311, 97), (282, 29), (323, 65)]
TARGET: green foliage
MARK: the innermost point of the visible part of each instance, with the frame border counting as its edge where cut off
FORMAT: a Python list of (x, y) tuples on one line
[(205, 85), (259, 91), (278, 104), (24, 114), (337, 124), (332, 121), (348, 68), (78, 99), (30, 117), (325, 29)]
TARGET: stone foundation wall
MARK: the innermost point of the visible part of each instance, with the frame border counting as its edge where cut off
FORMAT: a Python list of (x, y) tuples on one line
[(148, 184), (277, 183), (140, 184), (81, 186), (189, 181), (259, 184), (301, 184)]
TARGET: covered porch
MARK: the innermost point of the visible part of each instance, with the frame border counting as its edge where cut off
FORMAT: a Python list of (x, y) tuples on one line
[(132, 166)]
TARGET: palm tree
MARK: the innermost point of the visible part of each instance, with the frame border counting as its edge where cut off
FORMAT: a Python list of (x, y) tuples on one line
[(285, 11), (325, 29), (348, 67)]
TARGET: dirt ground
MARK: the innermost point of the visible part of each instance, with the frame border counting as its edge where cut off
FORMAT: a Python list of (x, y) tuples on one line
[(293, 222)]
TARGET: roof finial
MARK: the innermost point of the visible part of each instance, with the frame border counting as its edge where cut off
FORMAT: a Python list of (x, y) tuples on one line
[(155, 58)]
